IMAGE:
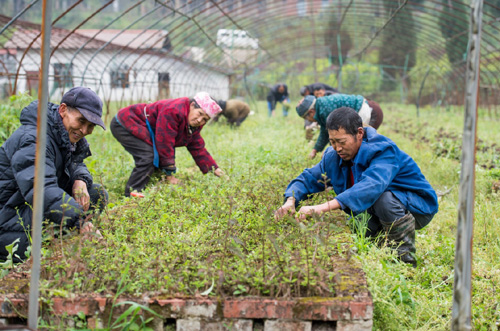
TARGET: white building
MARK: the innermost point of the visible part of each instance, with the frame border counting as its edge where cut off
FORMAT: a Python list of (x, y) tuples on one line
[(128, 66)]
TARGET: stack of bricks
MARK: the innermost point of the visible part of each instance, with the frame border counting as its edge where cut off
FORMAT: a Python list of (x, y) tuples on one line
[(246, 313)]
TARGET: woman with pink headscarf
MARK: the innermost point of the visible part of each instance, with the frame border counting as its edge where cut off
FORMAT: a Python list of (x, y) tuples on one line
[(151, 132)]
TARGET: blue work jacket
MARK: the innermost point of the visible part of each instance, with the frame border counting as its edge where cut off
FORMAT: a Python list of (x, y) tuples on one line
[(379, 166)]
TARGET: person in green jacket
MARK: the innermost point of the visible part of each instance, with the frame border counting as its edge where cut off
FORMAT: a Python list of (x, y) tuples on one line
[(317, 110)]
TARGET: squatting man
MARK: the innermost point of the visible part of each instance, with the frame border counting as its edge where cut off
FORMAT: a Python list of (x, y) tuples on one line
[(70, 194), (368, 172)]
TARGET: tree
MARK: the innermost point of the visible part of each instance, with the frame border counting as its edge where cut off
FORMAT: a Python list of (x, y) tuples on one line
[(399, 41), (454, 24)]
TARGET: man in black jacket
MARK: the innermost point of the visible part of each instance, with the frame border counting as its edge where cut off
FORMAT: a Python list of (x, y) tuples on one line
[(70, 194), (278, 93)]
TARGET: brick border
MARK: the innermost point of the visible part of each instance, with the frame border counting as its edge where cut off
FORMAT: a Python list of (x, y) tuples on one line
[(344, 310)]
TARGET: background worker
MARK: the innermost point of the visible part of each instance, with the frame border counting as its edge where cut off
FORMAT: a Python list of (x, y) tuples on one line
[(317, 110), (70, 195), (278, 93), (151, 132), (318, 90), (309, 89), (368, 172), (234, 110)]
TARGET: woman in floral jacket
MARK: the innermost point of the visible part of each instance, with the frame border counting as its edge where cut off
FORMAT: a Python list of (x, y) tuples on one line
[(151, 132)]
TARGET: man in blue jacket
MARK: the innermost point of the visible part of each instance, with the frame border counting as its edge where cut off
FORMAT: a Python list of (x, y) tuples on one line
[(368, 172), (70, 194)]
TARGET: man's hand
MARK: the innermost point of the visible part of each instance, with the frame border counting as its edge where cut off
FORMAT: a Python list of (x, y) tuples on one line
[(173, 180), (81, 194), (306, 211), (287, 208), (313, 153), (87, 228)]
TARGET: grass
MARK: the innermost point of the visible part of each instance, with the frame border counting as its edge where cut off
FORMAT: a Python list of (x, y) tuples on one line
[(218, 235)]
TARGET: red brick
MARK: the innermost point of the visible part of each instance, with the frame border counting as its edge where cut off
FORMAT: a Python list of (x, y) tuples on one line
[(10, 307), (355, 325), (92, 323), (258, 308), (277, 325), (361, 310), (101, 302), (322, 309), (72, 306), (188, 307)]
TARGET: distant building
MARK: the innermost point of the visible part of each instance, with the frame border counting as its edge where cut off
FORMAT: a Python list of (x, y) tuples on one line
[(228, 38), (129, 65)]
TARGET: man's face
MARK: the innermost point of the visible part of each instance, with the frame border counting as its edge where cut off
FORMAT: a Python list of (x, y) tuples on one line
[(310, 115), (281, 89), (75, 123), (319, 93), (197, 117), (344, 144)]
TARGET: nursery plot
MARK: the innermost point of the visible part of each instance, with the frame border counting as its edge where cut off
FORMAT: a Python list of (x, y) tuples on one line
[(215, 241), (208, 236)]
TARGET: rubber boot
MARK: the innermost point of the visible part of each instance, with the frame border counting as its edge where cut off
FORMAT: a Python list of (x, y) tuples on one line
[(401, 236)]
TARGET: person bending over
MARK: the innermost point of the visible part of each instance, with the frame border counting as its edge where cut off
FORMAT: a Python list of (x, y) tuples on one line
[(317, 110), (234, 110), (151, 132), (278, 93)]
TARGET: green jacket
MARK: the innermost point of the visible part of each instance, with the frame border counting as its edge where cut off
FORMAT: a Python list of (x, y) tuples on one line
[(325, 105)]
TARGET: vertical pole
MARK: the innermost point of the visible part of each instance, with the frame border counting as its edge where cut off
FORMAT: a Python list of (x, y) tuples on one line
[(41, 138), (403, 78), (313, 28), (462, 289), (341, 62)]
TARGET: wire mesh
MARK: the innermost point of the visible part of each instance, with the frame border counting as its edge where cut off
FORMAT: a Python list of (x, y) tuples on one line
[(145, 50)]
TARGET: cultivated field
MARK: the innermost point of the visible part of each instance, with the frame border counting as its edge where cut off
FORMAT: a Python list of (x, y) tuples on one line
[(216, 236)]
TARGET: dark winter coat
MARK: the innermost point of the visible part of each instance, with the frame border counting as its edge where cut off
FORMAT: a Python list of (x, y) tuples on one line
[(63, 167), (169, 121), (274, 94)]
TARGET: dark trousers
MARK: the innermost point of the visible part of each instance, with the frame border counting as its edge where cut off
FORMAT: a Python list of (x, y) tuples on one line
[(389, 209), (141, 152), (98, 199), (237, 121)]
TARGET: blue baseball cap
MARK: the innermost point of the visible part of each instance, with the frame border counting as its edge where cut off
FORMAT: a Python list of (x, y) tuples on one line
[(87, 102)]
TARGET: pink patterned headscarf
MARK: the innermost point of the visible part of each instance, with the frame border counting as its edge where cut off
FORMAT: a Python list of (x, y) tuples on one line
[(206, 103)]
